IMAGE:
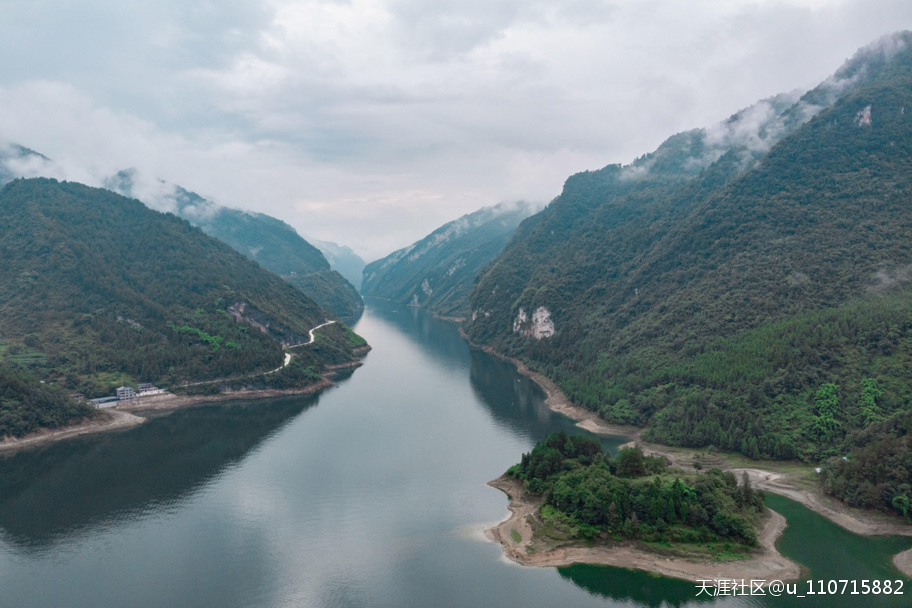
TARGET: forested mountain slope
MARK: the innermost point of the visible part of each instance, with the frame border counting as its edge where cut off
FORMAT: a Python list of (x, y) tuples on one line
[(271, 242), (98, 290), (753, 298), (438, 272)]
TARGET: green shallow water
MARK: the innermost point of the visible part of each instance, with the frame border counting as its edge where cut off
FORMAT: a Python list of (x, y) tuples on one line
[(370, 494)]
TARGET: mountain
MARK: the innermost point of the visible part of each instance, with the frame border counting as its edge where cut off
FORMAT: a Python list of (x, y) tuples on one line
[(270, 242), (17, 161), (341, 259), (438, 272), (98, 290), (745, 286)]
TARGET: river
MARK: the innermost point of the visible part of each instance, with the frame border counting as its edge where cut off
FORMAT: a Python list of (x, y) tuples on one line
[(370, 494)]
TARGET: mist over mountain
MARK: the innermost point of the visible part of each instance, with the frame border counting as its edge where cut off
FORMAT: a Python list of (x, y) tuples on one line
[(438, 272), (269, 241), (723, 288), (342, 259), (19, 161)]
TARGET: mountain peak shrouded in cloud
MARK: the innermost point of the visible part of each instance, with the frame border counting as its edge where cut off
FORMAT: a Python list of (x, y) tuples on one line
[(688, 299), (272, 243), (19, 161), (351, 115), (438, 271), (163, 196)]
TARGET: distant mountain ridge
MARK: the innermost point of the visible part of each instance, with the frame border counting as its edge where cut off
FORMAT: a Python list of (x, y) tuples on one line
[(269, 241), (438, 272), (342, 259)]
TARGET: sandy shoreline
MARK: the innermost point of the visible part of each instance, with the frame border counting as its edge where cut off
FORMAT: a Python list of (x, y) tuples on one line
[(130, 414), (860, 522), (767, 563), (107, 420)]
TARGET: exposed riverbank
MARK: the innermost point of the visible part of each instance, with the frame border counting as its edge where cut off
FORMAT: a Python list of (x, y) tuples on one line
[(106, 420), (557, 401), (785, 479), (766, 563), (129, 413)]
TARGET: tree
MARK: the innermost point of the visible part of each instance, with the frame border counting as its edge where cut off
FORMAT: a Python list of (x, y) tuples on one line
[(631, 463), (902, 503)]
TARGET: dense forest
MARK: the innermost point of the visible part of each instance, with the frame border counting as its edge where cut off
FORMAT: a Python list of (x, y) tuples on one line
[(97, 290), (272, 243), (632, 496), (438, 272), (26, 404), (743, 287)]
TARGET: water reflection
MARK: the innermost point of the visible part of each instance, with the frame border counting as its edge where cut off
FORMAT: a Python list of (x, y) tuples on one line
[(56, 490), (439, 338), (624, 585), (374, 498), (517, 404)]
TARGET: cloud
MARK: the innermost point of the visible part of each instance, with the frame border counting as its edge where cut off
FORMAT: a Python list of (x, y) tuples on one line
[(372, 122)]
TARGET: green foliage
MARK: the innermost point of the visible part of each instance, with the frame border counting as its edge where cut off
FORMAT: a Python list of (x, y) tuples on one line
[(870, 393), (438, 272), (634, 496), (714, 301), (878, 472), (354, 340), (214, 341), (270, 242), (96, 288), (26, 404)]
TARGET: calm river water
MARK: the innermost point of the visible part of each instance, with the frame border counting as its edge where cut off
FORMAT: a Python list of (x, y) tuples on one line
[(370, 494)]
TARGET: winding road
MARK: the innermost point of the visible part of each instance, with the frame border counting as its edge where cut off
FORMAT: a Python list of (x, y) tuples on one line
[(288, 357)]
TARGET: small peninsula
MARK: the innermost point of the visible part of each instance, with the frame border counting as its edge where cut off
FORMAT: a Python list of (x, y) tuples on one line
[(572, 503)]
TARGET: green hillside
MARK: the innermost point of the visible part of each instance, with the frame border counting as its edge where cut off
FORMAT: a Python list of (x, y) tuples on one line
[(272, 243), (26, 403), (753, 299), (438, 272), (98, 290)]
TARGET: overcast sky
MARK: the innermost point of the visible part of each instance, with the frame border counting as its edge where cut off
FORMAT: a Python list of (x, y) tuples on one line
[(372, 122)]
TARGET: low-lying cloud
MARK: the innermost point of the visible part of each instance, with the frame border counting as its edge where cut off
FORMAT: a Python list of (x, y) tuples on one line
[(372, 122)]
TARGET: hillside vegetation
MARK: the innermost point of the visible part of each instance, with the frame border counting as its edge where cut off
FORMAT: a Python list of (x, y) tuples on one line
[(98, 290), (745, 286), (587, 494), (270, 242), (438, 272)]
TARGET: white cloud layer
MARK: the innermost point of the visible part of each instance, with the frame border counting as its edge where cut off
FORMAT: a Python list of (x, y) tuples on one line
[(372, 122)]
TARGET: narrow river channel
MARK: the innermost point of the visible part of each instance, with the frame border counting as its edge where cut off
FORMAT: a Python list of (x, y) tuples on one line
[(370, 494)]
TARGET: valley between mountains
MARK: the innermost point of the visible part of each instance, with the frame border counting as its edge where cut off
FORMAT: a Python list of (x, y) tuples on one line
[(737, 302)]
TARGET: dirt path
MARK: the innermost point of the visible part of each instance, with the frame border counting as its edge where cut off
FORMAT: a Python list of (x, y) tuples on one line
[(767, 564), (108, 420), (288, 358)]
